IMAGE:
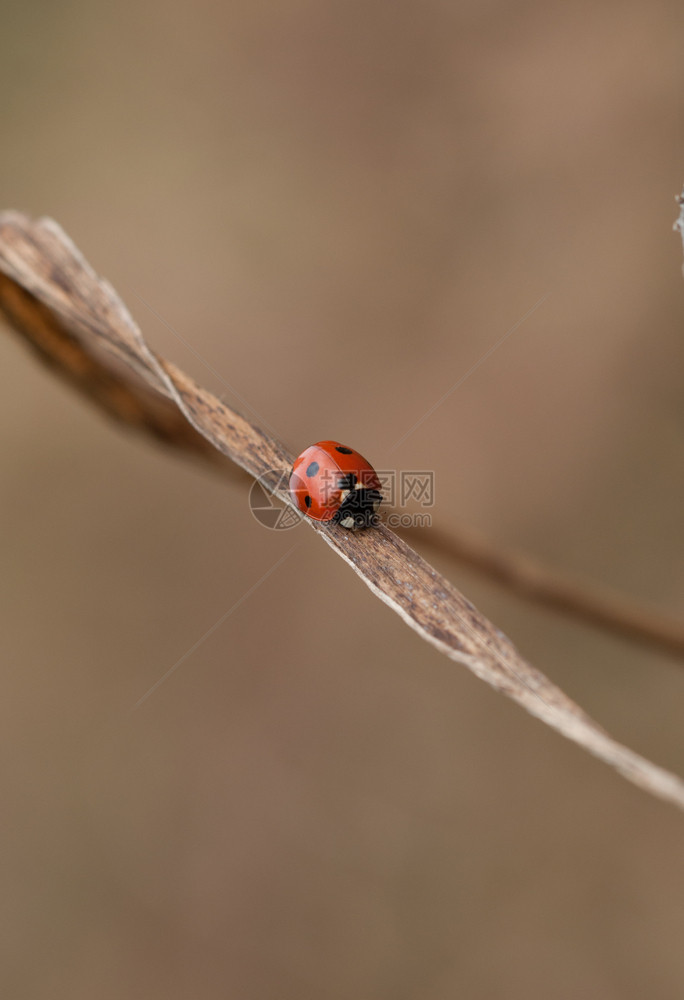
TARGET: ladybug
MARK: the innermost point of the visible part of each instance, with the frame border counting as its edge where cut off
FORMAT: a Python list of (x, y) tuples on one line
[(331, 482)]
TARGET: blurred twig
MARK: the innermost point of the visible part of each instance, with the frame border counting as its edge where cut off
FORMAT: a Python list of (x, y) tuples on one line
[(77, 323), (529, 579)]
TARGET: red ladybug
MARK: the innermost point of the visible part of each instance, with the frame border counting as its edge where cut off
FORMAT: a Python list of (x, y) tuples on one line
[(331, 482)]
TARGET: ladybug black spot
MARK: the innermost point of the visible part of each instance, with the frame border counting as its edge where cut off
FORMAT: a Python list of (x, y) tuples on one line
[(312, 469), (307, 500), (345, 451)]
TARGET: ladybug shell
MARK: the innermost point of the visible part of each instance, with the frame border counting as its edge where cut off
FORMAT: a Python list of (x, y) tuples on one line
[(320, 478)]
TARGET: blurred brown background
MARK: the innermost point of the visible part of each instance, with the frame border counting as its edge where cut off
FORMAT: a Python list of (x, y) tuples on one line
[(341, 208)]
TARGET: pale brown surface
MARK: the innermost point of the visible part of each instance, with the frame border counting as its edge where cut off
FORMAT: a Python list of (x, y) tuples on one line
[(342, 209)]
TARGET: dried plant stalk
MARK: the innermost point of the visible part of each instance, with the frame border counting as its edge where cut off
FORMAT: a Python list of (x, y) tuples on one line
[(529, 579), (77, 322)]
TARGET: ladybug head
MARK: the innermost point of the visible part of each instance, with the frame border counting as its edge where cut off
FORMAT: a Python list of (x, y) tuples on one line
[(358, 508)]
